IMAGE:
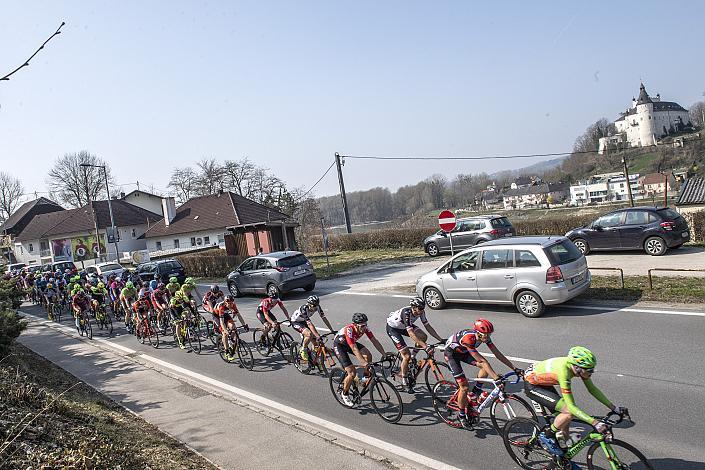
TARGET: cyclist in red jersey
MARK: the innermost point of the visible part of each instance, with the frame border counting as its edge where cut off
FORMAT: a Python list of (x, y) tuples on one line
[(140, 308), (265, 315), (212, 297), (345, 343), (221, 314), (160, 301)]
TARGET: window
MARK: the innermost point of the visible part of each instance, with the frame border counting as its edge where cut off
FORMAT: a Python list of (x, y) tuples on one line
[(176, 243), (159, 246), (248, 265), (31, 248), (292, 261), (133, 233), (525, 259), (637, 218), (110, 267), (263, 264), (221, 239), (206, 240), (609, 220), (466, 262), (563, 252), (497, 259), (501, 222), (43, 245), (193, 241), (669, 214)]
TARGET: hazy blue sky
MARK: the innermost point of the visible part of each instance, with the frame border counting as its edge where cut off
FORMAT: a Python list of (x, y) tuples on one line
[(153, 85)]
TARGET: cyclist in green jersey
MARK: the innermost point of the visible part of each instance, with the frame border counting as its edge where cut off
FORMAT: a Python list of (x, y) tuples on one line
[(127, 296), (540, 379), (173, 286)]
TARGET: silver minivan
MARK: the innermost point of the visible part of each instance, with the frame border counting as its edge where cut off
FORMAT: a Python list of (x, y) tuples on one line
[(529, 272)]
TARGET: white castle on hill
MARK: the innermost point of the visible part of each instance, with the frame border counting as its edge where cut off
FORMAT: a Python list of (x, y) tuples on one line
[(645, 122)]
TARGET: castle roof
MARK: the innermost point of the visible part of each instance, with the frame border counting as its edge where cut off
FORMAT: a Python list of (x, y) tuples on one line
[(643, 96)]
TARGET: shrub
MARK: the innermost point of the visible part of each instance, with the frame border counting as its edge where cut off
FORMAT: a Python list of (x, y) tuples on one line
[(380, 239), (696, 223), (11, 325), (213, 263)]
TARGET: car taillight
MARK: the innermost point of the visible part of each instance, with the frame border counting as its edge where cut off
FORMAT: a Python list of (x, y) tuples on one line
[(554, 275), (668, 225), (281, 269), (494, 231)]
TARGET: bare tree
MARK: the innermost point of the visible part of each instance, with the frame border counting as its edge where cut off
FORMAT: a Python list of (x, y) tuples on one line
[(590, 139), (210, 177), (76, 185), (10, 192), (237, 173), (697, 113), (183, 184)]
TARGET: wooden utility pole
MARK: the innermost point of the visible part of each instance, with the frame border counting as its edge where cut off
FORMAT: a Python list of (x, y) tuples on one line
[(626, 175), (346, 214)]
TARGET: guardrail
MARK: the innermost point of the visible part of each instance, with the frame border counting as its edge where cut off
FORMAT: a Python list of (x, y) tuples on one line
[(651, 283), (621, 273)]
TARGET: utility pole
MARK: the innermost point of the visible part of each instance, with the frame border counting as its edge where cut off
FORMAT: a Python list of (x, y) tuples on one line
[(629, 185), (339, 165), (95, 220)]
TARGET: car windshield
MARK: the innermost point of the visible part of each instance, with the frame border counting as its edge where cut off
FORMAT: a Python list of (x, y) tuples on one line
[(501, 222), (668, 214), (111, 267), (292, 261), (563, 252), (170, 266)]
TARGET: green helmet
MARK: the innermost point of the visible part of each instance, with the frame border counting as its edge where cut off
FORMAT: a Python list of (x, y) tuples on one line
[(189, 281), (129, 284), (582, 357), (173, 280)]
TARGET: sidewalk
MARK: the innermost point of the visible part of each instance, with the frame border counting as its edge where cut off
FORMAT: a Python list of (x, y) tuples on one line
[(229, 433)]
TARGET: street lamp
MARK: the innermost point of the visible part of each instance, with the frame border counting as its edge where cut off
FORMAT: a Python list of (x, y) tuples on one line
[(110, 208)]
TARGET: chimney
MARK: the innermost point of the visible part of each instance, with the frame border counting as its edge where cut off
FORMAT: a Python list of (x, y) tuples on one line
[(122, 195), (168, 209)]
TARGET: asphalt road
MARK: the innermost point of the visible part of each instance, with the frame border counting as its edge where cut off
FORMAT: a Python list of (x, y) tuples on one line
[(649, 362)]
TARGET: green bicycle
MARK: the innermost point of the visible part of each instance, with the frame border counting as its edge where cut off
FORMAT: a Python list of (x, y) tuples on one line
[(521, 439)]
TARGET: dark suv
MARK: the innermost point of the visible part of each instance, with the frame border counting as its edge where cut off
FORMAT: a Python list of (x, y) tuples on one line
[(166, 268), (469, 232), (636, 228)]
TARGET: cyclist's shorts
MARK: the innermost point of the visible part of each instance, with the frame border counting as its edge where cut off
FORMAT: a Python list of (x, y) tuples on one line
[(454, 358), (114, 297), (223, 320), (260, 316), (343, 351), (299, 326), (397, 336), (177, 313), (544, 395)]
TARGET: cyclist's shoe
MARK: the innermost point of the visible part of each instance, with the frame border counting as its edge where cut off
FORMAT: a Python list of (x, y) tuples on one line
[(346, 399), (465, 422), (229, 357), (550, 444), (304, 354)]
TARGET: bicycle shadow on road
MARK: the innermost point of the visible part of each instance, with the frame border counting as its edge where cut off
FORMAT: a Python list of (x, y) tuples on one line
[(676, 464)]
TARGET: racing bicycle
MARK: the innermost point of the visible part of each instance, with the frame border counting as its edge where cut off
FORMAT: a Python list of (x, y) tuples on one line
[(274, 339), (432, 369), (321, 358)]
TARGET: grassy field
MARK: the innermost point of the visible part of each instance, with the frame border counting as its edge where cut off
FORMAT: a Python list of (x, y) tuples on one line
[(341, 261), (70, 425), (636, 288)]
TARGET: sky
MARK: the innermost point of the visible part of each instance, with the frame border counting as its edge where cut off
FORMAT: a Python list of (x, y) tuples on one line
[(149, 86)]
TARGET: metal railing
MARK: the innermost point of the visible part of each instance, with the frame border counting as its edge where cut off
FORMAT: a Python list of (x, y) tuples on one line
[(651, 283), (621, 273)]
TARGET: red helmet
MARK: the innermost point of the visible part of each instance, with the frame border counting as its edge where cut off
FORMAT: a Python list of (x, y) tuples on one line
[(483, 326)]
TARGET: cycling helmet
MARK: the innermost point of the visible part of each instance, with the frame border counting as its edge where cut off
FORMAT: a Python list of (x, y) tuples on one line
[(483, 326), (190, 281), (313, 300), (173, 280), (67, 271), (358, 318), (417, 302), (144, 295), (51, 279), (229, 299), (161, 286), (82, 274), (50, 286), (130, 285), (79, 292), (101, 285), (582, 357), (215, 288)]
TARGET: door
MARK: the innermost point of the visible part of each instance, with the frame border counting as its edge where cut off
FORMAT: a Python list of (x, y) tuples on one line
[(604, 233), (631, 232), (243, 280), (463, 235), (459, 280), (261, 275), (496, 277)]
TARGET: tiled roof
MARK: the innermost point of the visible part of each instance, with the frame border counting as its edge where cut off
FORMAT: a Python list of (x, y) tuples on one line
[(215, 211), (42, 205), (692, 192), (653, 178), (667, 106), (543, 188), (81, 220)]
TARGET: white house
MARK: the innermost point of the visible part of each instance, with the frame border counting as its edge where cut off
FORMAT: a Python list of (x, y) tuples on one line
[(535, 195), (604, 188), (143, 199)]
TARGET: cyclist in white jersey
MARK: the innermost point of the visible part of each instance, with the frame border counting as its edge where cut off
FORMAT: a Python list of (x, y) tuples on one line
[(301, 322)]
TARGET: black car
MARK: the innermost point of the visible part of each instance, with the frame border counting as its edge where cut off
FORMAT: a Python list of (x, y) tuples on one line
[(651, 229), (165, 268)]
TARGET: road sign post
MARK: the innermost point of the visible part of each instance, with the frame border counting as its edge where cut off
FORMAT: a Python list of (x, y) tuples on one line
[(446, 220)]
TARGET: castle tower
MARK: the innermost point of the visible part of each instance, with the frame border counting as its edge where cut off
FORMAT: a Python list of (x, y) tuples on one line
[(645, 118)]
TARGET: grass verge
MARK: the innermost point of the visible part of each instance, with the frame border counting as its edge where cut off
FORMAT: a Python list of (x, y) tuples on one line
[(341, 261), (80, 428), (636, 288)]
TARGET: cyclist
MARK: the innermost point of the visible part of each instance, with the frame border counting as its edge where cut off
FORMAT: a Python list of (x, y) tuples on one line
[(177, 305), (116, 286), (140, 308), (154, 282), (221, 316), (212, 298), (160, 301), (539, 385), (173, 286), (400, 323), (301, 322), (98, 295), (51, 294), (345, 343), (462, 347), (79, 304), (127, 297), (265, 315), (187, 288)]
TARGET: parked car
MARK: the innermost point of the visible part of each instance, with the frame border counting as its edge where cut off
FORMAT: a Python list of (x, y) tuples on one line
[(529, 272), (165, 268), (62, 266), (279, 272), (101, 271), (651, 229), (15, 267), (469, 232)]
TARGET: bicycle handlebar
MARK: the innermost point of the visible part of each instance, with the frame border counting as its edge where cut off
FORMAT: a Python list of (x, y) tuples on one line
[(621, 417)]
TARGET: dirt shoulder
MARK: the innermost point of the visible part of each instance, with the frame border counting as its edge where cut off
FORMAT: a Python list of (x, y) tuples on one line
[(53, 420)]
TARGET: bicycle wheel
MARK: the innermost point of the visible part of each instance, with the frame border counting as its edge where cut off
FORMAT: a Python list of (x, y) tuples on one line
[(210, 331), (442, 393), (262, 342), (140, 332), (222, 352), (244, 354), (616, 454), (432, 377), (321, 364), (301, 364), (108, 324), (521, 440), (284, 345), (153, 336), (89, 329), (386, 400), (512, 407), (335, 381), (193, 335)]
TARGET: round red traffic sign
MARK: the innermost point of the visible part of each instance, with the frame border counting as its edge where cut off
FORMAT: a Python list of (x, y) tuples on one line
[(446, 220)]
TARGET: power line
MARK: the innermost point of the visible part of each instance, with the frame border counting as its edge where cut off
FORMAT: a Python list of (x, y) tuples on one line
[(316, 183), (26, 62)]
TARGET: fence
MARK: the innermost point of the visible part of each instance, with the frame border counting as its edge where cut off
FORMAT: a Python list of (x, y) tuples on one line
[(621, 273), (651, 283)]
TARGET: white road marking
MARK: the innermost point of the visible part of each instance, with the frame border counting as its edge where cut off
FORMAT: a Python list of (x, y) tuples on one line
[(314, 420)]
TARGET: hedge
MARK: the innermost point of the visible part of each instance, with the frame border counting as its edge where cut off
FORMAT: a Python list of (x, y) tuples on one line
[(696, 222), (212, 263)]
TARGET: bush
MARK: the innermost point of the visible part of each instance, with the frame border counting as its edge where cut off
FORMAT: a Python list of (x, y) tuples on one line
[(551, 226), (696, 223), (11, 325), (211, 263), (378, 239), (10, 295)]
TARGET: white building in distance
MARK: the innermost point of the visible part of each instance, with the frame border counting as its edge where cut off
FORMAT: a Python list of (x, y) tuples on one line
[(604, 188), (645, 122)]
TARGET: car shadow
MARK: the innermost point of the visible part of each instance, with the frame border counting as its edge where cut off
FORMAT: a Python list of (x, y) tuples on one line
[(682, 250)]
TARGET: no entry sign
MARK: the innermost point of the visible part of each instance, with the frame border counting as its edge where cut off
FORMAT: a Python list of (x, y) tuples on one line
[(446, 220)]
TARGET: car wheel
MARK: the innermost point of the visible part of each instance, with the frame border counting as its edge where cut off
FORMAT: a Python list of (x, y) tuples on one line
[(310, 287), (434, 299), (655, 246), (272, 289), (232, 287), (432, 249), (582, 245), (529, 304)]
